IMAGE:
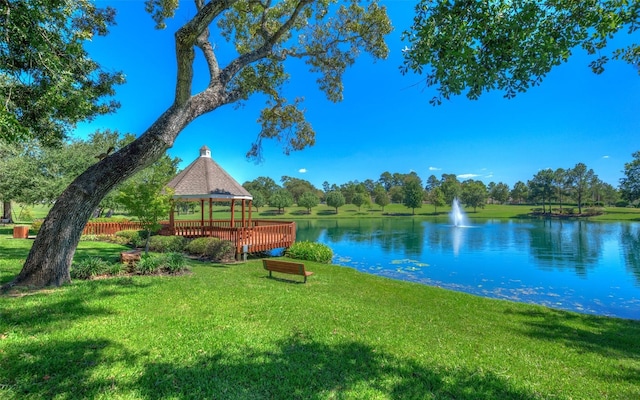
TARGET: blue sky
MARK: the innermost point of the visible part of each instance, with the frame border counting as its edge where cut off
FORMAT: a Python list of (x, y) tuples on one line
[(385, 122)]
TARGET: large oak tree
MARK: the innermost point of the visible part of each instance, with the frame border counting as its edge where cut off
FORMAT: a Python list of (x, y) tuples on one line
[(328, 35)]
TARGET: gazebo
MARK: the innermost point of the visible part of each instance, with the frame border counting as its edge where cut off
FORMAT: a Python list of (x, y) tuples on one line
[(205, 181)]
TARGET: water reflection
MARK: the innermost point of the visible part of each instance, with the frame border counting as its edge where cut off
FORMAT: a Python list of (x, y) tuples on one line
[(630, 239), (570, 245), (576, 265)]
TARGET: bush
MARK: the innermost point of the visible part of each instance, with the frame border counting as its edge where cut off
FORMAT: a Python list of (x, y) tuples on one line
[(211, 247), (130, 237), (149, 264), (310, 251), (110, 219), (175, 262), (89, 238), (197, 247), (166, 244), (89, 268), (169, 262), (35, 226), (116, 269)]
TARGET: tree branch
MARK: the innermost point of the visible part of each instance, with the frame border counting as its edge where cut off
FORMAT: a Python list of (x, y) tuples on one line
[(195, 32), (245, 59)]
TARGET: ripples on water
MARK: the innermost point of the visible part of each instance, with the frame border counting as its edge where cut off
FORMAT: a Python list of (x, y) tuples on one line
[(573, 265)]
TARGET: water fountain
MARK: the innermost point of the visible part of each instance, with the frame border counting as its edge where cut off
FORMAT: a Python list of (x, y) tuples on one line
[(457, 216)]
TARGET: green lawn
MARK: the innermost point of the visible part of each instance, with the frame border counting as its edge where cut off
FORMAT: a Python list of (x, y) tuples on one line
[(228, 332), (350, 211)]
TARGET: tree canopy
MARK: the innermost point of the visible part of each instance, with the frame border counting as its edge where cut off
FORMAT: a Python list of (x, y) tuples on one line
[(630, 184), (477, 46), (48, 82), (335, 199)]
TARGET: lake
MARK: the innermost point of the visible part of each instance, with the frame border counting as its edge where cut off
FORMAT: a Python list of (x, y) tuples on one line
[(589, 267)]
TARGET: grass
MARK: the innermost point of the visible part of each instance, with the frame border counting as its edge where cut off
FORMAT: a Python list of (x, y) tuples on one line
[(227, 331), (491, 211)]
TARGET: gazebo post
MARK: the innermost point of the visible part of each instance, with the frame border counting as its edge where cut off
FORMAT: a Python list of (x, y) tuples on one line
[(201, 217), (244, 224), (250, 207), (210, 216), (233, 205), (172, 218)]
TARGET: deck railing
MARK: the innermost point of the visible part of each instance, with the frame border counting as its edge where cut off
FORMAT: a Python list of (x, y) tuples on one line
[(261, 235)]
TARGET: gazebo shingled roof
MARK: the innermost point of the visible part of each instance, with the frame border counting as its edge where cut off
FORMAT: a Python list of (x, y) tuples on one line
[(204, 178)]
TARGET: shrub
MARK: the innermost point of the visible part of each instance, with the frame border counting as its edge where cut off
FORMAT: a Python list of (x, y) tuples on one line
[(197, 246), (116, 269), (89, 238), (211, 247), (175, 262), (110, 219), (168, 262), (116, 239), (149, 264), (89, 267), (310, 251), (104, 238), (131, 237), (35, 226), (166, 244)]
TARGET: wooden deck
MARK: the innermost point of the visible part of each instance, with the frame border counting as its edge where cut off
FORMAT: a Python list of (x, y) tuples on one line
[(260, 235)]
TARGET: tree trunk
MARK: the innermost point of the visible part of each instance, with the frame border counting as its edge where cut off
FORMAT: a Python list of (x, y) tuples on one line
[(6, 213), (50, 258)]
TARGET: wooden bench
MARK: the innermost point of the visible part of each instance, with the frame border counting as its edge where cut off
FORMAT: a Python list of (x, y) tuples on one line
[(286, 267)]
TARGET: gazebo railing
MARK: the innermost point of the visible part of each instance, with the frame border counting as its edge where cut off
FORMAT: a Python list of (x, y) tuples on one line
[(109, 228), (260, 235)]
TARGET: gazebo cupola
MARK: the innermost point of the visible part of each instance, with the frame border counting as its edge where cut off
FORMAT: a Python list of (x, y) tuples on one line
[(205, 152)]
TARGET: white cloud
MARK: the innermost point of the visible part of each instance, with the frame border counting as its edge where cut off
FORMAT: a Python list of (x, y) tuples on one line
[(302, 170), (435, 169), (605, 156), (467, 176)]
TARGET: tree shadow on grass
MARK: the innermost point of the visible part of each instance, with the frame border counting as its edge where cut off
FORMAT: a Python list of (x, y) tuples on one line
[(11, 260), (326, 212), (612, 338), (270, 213), (60, 369), (14, 253), (299, 368), (29, 317), (300, 212)]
